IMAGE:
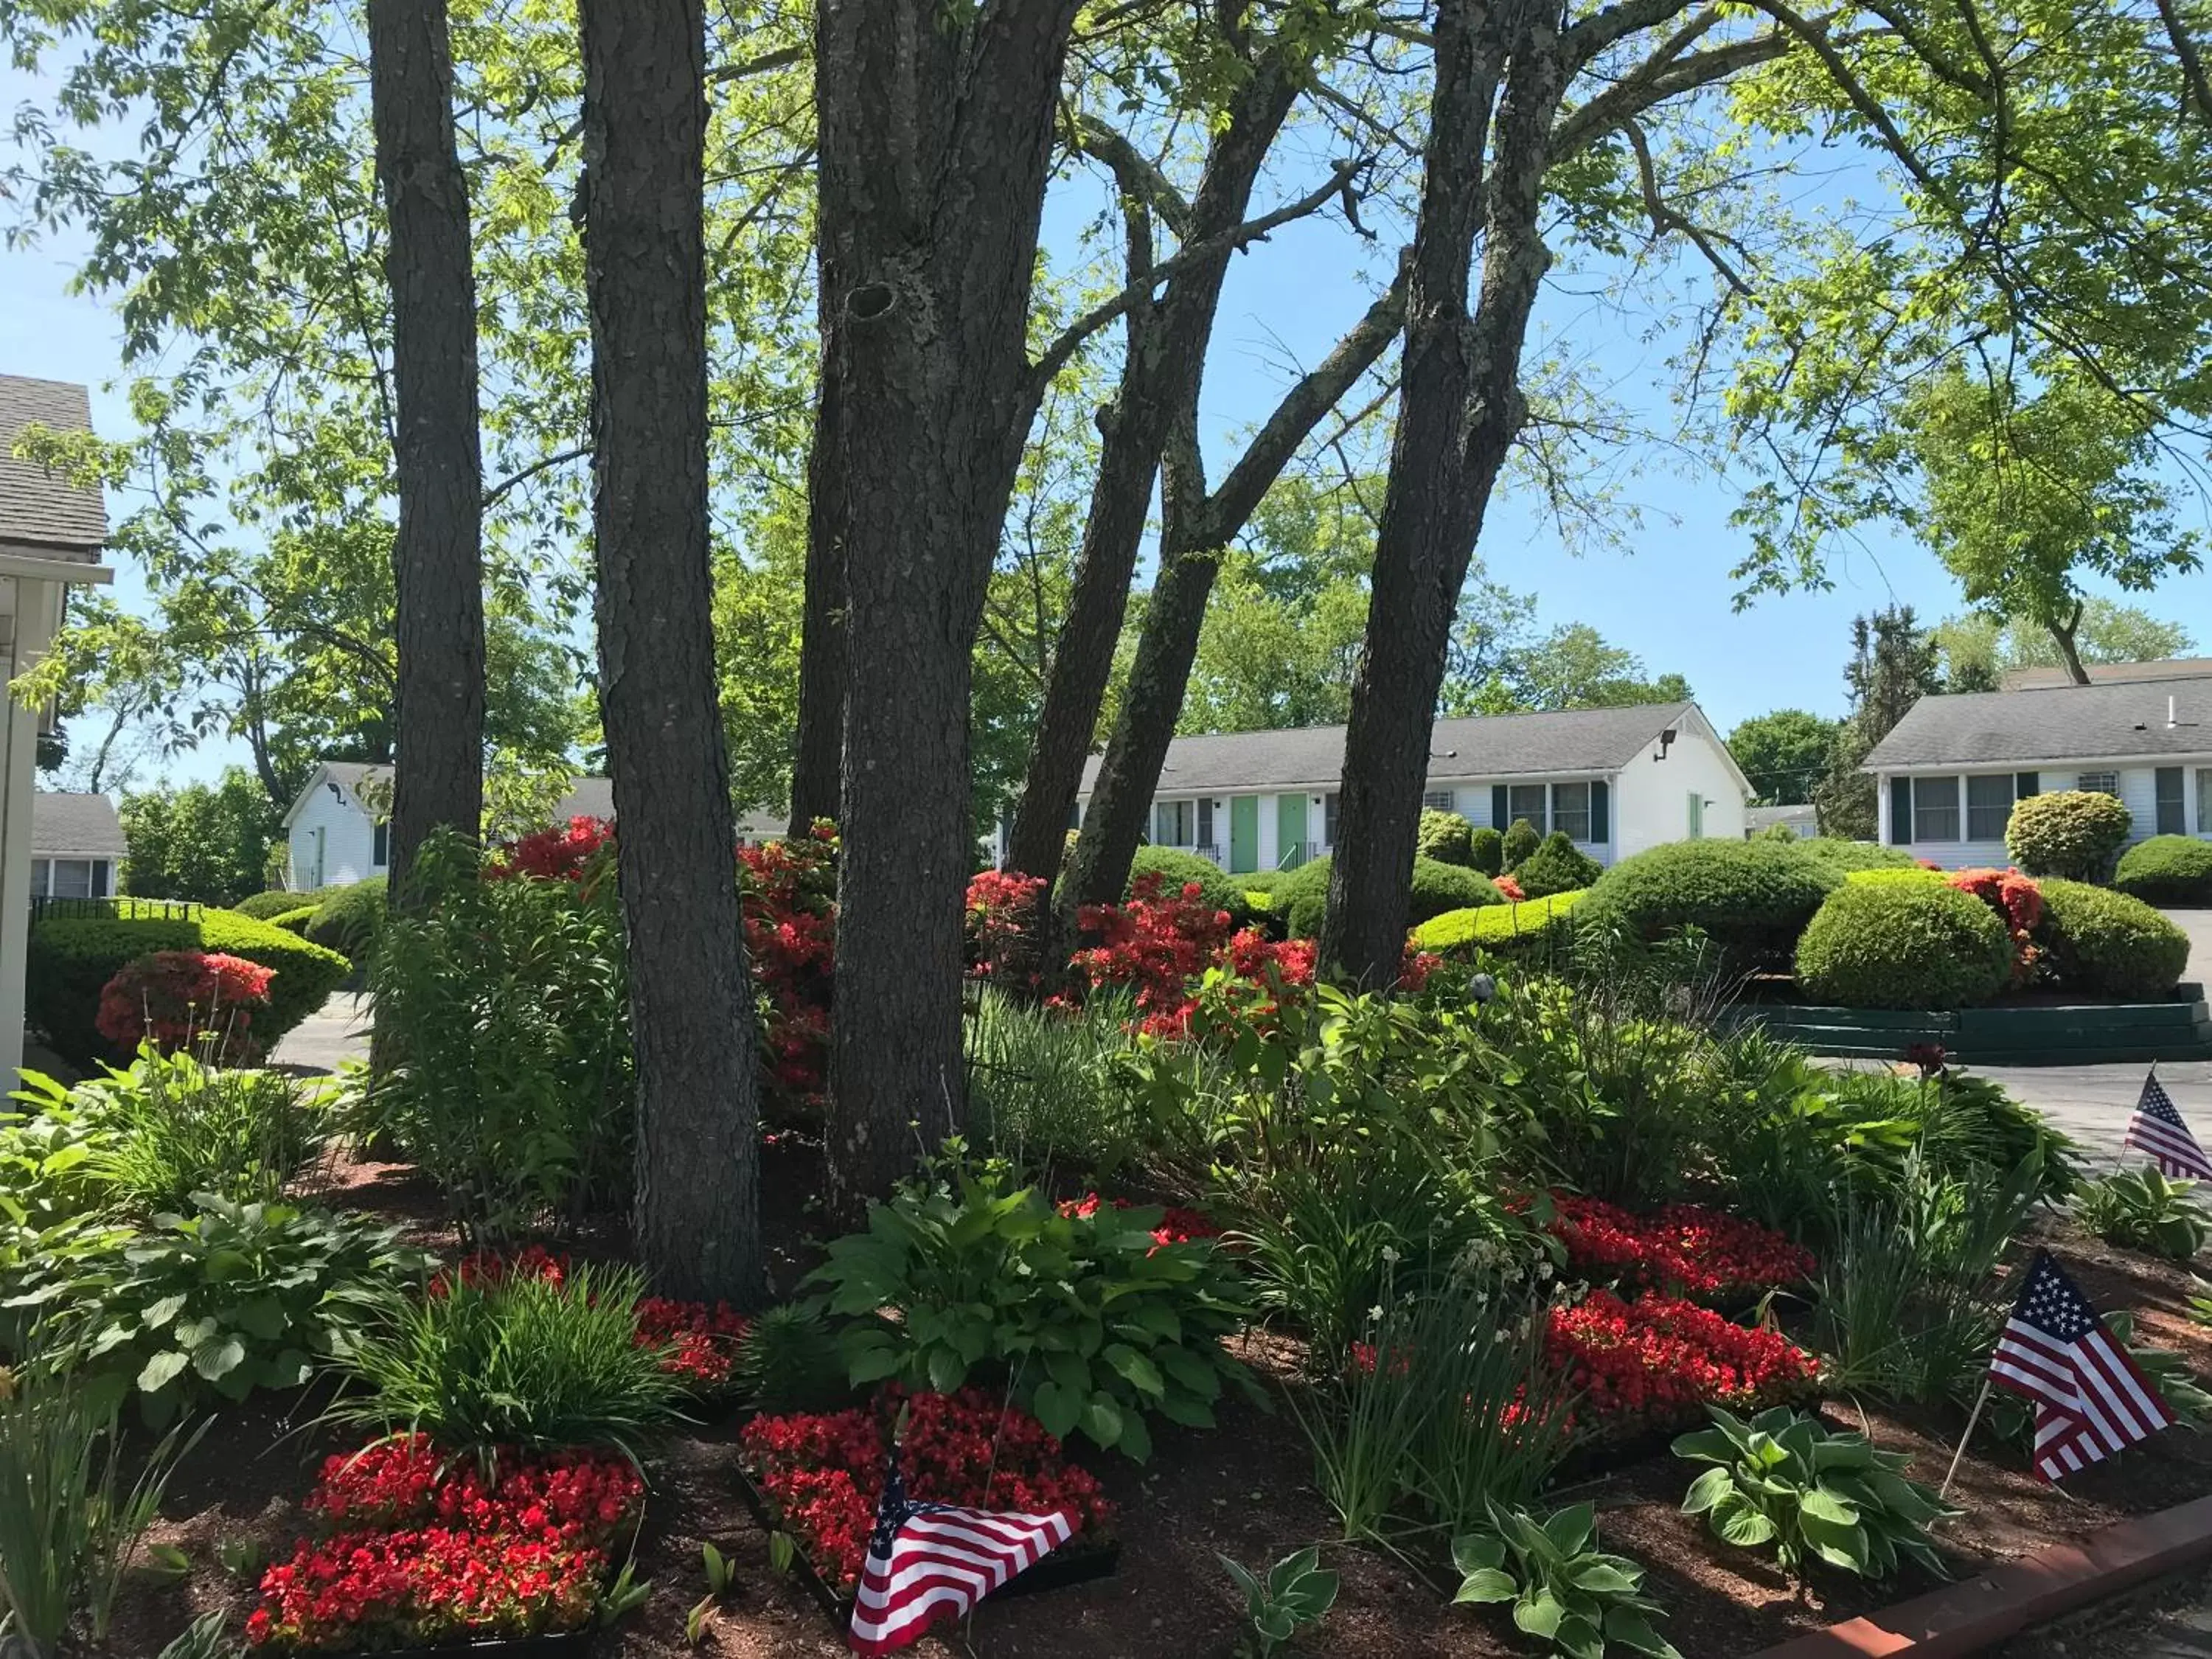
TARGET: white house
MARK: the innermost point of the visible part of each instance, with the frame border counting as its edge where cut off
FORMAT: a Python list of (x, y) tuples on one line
[(76, 844), (1616, 781), (1949, 773), (51, 531)]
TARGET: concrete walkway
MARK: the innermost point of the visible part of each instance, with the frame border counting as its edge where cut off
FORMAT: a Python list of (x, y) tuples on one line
[(338, 1031)]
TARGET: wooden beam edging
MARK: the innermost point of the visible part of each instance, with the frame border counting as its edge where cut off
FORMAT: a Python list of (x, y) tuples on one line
[(1970, 1617)]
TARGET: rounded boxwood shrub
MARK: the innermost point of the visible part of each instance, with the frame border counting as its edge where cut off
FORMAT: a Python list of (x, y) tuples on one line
[(72, 957), (1903, 944), (1558, 866), (1501, 929), (1437, 888), (1846, 856), (1445, 837), (1177, 869), (2105, 944), (2167, 870), (1752, 898), (1521, 839), (348, 918), (2071, 833), (1486, 851), (267, 907)]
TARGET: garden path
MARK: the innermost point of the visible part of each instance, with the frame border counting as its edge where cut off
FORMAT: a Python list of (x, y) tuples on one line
[(336, 1031)]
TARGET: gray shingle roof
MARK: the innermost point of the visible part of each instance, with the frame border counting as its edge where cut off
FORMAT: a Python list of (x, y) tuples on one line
[(85, 825), (38, 507), (2111, 721), (1490, 746), (2042, 678), (587, 796)]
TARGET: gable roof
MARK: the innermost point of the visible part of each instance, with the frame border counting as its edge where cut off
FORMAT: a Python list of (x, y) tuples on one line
[(1482, 746), (39, 508), (2116, 720), (82, 826), (587, 796)]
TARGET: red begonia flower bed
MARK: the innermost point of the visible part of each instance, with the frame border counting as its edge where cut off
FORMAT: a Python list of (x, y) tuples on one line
[(1683, 1249), (1657, 1362)]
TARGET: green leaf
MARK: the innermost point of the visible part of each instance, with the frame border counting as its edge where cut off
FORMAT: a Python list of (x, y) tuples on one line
[(1569, 1529), (1739, 1523), (947, 1372), (218, 1356), (1601, 1578), (1629, 1627), (160, 1313), (1487, 1584), (1102, 1420), (1058, 1409), (1539, 1613), (1472, 1551), (163, 1369), (1819, 1503), (1140, 1372), (1707, 1489)]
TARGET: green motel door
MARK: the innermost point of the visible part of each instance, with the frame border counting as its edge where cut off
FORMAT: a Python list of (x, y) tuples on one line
[(1243, 833), (1290, 831)]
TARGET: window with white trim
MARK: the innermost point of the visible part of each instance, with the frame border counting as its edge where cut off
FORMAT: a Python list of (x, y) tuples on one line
[(1570, 810), (38, 877), (2100, 783), (1440, 801), (1936, 808), (71, 878), (1528, 800), (1174, 823), (1989, 806)]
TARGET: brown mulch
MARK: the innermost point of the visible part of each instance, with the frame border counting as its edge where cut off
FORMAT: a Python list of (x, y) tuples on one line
[(1244, 1491)]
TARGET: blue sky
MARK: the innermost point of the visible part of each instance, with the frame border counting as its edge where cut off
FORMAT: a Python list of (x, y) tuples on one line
[(1668, 597)]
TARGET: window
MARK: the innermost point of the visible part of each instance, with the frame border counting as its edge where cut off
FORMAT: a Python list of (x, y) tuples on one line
[(1989, 806), (2204, 800), (1328, 805), (1526, 800), (72, 877), (2168, 791), (1176, 823), (1439, 800), (39, 868), (2100, 783), (380, 846), (1934, 809), (1570, 810), (1205, 828)]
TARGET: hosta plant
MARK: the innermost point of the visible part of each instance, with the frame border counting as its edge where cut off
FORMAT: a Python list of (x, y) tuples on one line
[(1785, 1481), (1296, 1592), (2143, 1210), (1564, 1590)]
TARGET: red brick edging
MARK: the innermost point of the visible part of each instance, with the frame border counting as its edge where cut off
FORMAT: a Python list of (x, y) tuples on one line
[(1966, 1618)]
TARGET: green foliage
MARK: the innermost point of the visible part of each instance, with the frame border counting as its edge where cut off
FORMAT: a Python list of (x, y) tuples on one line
[(1752, 899), (1534, 929), (1447, 837), (348, 918), (207, 1637), (1978, 650), (1784, 754), (2106, 944), (517, 1360), (1177, 869), (1786, 1480), (1845, 857), (788, 1360), (47, 1172), (1091, 1323), (2174, 870), (1041, 1087), (1487, 850), (1435, 888), (227, 1299), (505, 1005), (72, 956), (274, 901), (2143, 1210), (208, 844), (1906, 943), (1565, 1592), (1521, 840), (1296, 1593), (2069, 833), (1557, 866)]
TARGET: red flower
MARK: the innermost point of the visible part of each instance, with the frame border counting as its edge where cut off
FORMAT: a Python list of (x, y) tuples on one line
[(177, 998), (1683, 1248), (556, 854), (1510, 889), (1658, 1361), (2019, 904), (1177, 1224)]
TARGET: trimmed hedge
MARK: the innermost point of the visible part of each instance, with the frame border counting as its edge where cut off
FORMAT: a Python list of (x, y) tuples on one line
[(72, 957), (1502, 929), (1437, 888), (2069, 833), (1845, 856), (1558, 866), (348, 918), (267, 907), (1521, 840), (1487, 850), (1911, 942), (1177, 870), (1445, 837), (2167, 870), (2106, 944), (1752, 898)]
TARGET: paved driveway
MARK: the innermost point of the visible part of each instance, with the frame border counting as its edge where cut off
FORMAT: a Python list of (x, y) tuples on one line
[(338, 1031)]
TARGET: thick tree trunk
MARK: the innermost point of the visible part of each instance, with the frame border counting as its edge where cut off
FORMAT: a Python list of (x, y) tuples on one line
[(437, 555), (2062, 636), (697, 1215), (816, 766), (936, 133), (1460, 408)]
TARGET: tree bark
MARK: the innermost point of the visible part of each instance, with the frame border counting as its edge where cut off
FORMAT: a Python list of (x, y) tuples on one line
[(697, 1218), (437, 555), (816, 765), (936, 130), (2063, 635), (1460, 407)]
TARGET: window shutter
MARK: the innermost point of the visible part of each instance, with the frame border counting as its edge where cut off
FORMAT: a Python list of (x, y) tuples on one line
[(1901, 811), (2166, 797), (100, 869), (2025, 784), (1601, 829), (1499, 817)]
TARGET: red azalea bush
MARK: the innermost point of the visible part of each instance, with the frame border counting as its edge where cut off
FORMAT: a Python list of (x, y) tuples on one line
[(559, 853), (1683, 1249), (1657, 1362), (1177, 1224), (175, 998), (423, 1549), (1509, 890), (2019, 904), (824, 1473), (1001, 906), (790, 904)]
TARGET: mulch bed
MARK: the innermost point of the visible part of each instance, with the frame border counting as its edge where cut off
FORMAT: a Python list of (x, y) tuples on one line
[(1244, 1491)]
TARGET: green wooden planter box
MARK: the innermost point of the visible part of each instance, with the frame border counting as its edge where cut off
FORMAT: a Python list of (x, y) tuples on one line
[(2047, 1034)]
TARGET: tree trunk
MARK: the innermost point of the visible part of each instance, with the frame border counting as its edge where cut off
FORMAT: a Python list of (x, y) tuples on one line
[(1460, 406), (2063, 635), (437, 555), (816, 766), (697, 1216), (936, 131)]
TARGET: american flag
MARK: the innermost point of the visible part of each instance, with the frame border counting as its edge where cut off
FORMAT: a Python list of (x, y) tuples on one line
[(2157, 1128), (2090, 1399), (931, 1561)]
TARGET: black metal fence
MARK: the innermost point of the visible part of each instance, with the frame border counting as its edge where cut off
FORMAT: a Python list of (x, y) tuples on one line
[(105, 908)]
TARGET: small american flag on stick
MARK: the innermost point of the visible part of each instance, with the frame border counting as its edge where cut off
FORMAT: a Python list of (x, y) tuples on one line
[(2157, 1130), (932, 1561), (2091, 1399)]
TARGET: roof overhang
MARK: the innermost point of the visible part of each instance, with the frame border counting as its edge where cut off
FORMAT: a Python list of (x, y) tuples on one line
[(28, 568), (2035, 763)]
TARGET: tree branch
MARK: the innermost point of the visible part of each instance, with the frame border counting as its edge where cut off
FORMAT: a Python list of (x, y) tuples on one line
[(1665, 218), (1133, 171), (545, 463), (2192, 61), (1663, 76)]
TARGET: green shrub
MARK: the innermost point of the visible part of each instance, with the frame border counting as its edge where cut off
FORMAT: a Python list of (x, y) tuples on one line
[(2070, 833), (1435, 888), (521, 1359), (273, 904), (1846, 856), (1447, 837), (1088, 1320), (1503, 929), (1564, 1590), (1521, 839), (1178, 869), (295, 922), (73, 957), (1486, 851), (2106, 944), (788, 1360), (2167, 870), (349, 918), (2143, 1210), (1558, 866), (1752, 899), (1904, 944)]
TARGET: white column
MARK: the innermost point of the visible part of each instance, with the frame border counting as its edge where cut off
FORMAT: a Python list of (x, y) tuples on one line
[(38, 614)]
